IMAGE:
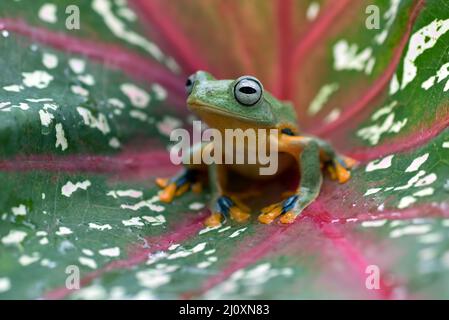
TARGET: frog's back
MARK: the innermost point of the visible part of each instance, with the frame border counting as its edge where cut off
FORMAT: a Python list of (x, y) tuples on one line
[(285, 113)]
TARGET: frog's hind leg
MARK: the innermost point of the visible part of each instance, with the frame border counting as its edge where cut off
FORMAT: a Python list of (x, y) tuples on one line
[(309, 188), (221, 205), (338, 166)]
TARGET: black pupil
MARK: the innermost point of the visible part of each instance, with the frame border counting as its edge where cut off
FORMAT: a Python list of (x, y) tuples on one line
[(247, 90), (188, 83)]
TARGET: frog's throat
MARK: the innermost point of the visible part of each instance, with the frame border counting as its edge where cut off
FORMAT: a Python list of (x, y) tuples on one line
[(203, 109)]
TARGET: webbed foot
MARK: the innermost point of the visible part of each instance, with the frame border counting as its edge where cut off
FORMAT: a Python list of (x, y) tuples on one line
[(225, 207), (178, 185), (340, 168)]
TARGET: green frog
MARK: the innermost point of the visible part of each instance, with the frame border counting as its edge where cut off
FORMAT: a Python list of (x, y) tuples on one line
[(244, 104)]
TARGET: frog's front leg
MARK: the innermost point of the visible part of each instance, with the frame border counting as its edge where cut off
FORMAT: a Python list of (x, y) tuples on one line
[(223, 206), (309, 188)]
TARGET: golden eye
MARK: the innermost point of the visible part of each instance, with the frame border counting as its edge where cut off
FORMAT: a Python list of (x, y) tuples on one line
[(248, 90)]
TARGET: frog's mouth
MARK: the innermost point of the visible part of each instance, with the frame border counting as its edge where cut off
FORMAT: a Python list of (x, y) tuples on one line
[(206, 111)]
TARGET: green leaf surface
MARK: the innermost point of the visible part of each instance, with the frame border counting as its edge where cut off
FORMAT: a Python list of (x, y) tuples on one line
[(85, 119)]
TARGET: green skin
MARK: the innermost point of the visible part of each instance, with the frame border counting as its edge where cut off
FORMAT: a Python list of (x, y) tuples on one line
[(215, 103)]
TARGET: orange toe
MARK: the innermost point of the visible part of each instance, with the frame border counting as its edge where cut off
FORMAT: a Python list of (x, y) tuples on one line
[(350, 163), (182, 190), (238, 214), (161, 182), (268, 217), (213, 220), (197, 187), (168, 193), (343, 175), (288, 218)]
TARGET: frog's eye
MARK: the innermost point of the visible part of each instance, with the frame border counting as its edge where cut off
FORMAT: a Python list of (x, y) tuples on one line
[(248, 90), (189, 83)]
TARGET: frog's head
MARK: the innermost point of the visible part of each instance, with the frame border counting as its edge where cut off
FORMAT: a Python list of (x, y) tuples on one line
[(231, 103)]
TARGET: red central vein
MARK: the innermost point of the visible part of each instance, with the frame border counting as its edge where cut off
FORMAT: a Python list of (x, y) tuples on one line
[(240, 43), (138, 255), (379, 85), (242, 260), (274, 237), (133, 64), (158, 158), (124, 162), (354, 259), (171, 35), (326, 223), (284, 11), (311, 38)]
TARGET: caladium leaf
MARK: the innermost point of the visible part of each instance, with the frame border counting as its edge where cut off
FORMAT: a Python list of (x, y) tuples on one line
[(85, 116)]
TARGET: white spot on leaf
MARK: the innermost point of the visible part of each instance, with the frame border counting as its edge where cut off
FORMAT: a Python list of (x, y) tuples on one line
[(77, 65), (37, 79), (47, 13), (110, 252), (374, 223), (312, 11), (347, 57), (20, 210), (322, 97), (379, 164), (422, 40), (70, 187), (168, 124), (88, 262), (14, 237), (100, 123), (5, 284), (138, 97), (13, 88), (417, 163), (145, 203), (372, 191), (118, 28), (63, 231), (60, 137), (49, 60), (125, 193), (100, 227), (133, 222)]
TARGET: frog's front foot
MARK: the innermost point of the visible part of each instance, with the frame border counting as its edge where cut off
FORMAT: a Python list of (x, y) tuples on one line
[(178, 185), (225, 207), (340, 167)]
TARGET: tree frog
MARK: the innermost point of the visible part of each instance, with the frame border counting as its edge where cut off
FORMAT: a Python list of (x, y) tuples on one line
[(241, 104)]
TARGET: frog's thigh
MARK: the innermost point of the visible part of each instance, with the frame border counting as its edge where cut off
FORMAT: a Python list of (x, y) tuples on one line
[(222, 205), (193, 159)]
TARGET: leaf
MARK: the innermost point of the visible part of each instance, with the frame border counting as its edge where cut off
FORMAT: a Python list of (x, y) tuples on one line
[(85, 117)]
